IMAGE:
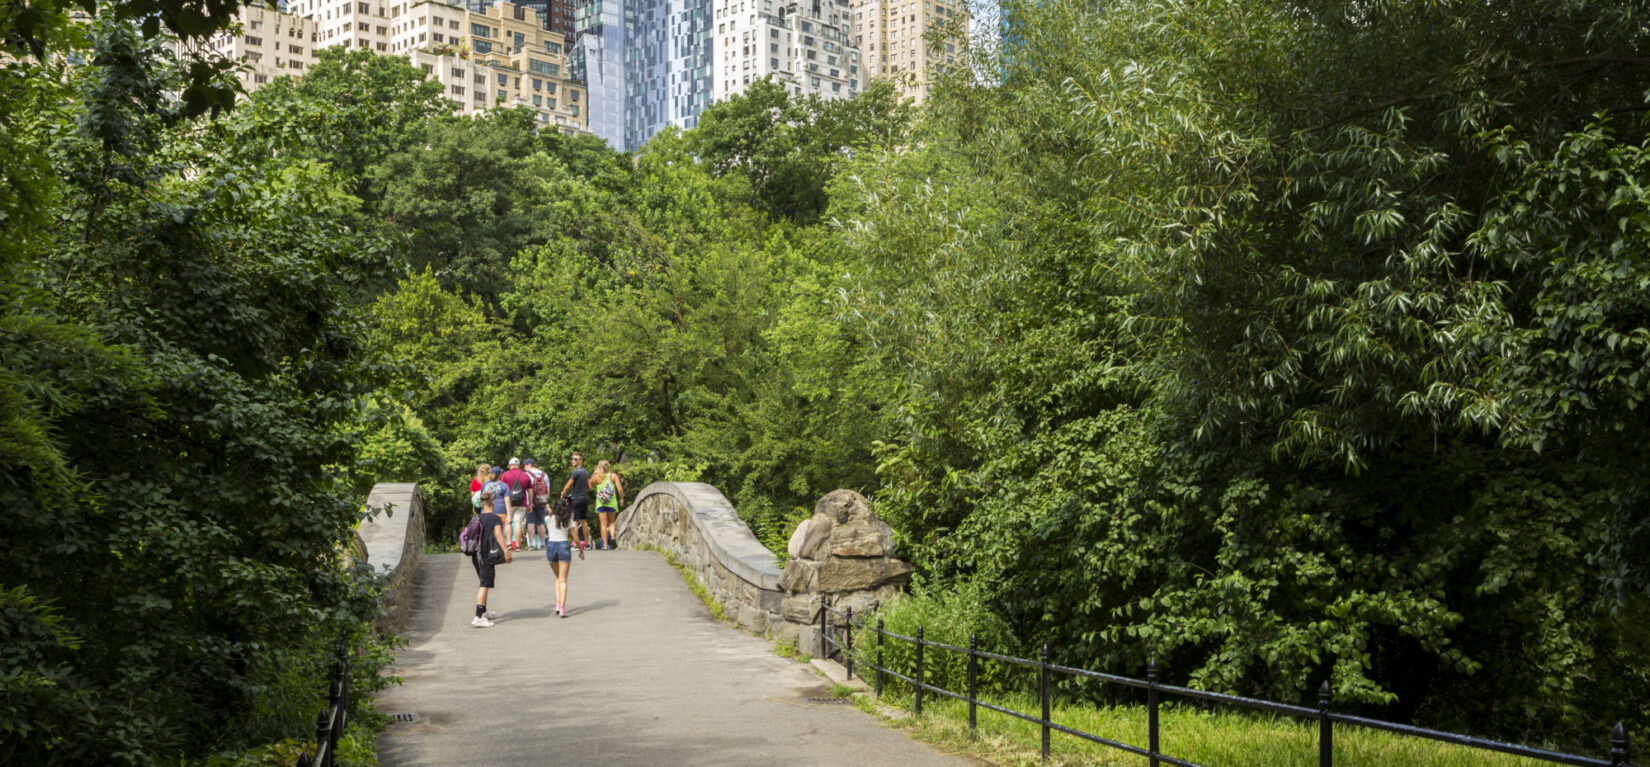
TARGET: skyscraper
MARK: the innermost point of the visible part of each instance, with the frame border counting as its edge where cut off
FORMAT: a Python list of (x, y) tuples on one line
[(805, 45), (647, 65)]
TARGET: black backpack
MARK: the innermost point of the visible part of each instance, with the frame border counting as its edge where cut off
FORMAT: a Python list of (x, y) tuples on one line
[(518, 493)]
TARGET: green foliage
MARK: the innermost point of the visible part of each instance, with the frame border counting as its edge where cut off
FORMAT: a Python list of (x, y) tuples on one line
[(949, 616)]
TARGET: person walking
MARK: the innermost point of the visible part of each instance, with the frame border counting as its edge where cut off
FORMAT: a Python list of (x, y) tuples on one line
[(482, 475), (609, 499), (577, 491), (496, 490), (492, 545), (559, 551), (540, 507), (520, 495)]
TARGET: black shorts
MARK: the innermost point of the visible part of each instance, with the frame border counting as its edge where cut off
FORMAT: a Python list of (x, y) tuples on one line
[(536, 515), (484, 571), (581, 509)]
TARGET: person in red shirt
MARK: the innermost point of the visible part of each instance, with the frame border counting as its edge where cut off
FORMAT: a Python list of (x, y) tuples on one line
[(520, 486), (484, 472)]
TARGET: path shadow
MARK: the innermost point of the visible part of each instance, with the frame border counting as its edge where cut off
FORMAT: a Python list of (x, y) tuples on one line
[(524, 614), (592, 607)]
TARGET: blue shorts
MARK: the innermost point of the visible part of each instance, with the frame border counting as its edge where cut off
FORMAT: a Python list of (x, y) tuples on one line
[(558, 551)]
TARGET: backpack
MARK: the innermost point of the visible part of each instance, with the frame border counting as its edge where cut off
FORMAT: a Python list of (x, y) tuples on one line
[(541, 489), (518, 493), (469, 539), (605, 493)]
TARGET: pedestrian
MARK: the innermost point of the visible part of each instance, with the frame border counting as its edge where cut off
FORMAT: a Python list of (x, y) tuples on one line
[(498, 492), (609, 498), (559, 551), (520, 494), (541, 500), (483, 473), (577, 490), (492, 546)]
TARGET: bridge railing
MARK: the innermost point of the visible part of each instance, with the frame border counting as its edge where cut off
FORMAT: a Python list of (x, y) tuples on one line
[(330, 724), (1323, 714)]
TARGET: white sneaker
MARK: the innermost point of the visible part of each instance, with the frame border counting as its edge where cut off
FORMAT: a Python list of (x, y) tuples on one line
[(481, 623)]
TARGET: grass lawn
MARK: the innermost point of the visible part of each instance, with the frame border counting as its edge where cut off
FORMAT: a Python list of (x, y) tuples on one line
[(1216, 739)]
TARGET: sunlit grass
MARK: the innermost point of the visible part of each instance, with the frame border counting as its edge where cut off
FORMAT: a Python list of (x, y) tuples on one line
[(1216, 739)]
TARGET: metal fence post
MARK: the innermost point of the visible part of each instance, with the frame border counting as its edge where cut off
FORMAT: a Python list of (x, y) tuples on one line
[(1151, 710), (919, 671), (848, 635), (879, 656), (824, 634), (1618, 745), (973, 677), (1326, 735), (323, 736), (1046, 716)]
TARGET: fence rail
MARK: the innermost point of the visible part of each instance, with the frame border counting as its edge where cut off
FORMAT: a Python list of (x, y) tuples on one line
[(330, 724), (1323, 714)]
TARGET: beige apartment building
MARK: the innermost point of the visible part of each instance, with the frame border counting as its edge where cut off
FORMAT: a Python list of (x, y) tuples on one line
[(497, 59), (892, 36), (271, 44)]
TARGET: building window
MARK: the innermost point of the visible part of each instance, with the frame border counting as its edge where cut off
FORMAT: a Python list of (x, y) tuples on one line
[(481, 46), (458, 90), (481, 79), (452, 23), (502, 96), (554, 48), (544, 67), (260, 78), (503, 80), (438, 37), (458, 72), (428, 70), (575, 109), (521, 40), (538, 84), (551, 87), (363, 8), (254, 41), (773, 47), (773, 63), (383, 46), (538, 101), (363, 26), (573, 96), (479, 30), (296, 65)]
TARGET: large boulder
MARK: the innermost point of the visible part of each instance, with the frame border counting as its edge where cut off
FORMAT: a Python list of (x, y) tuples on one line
[(794, 548), (800, 575), (860, 540), (817, 538), (845, 507), (842, 575)]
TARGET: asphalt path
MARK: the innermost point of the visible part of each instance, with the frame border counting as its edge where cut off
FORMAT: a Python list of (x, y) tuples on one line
[(637, 674)]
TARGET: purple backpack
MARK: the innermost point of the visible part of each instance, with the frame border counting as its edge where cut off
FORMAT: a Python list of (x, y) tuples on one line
[(469, 539)]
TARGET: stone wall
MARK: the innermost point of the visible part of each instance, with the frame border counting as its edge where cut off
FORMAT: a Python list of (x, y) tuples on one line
[(842, 557), (394, 544), (696, 524)]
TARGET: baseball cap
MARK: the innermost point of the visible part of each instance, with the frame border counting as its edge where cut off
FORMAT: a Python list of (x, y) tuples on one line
[(529, 462), (515, 461)]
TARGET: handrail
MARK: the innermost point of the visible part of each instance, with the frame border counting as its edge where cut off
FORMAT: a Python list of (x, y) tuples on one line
[(330, 723), (1323, 714)]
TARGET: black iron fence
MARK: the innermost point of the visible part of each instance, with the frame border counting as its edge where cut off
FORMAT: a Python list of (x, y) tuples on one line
[(329, 725), (1324, 714)]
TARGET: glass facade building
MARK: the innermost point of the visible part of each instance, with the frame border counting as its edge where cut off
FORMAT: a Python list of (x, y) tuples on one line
[(647, 65)]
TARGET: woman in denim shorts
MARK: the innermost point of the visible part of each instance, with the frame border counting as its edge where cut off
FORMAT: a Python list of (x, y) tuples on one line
[(559, 551)]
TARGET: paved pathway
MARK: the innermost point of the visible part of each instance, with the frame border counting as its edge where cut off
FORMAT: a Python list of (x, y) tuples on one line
[(638, 674)]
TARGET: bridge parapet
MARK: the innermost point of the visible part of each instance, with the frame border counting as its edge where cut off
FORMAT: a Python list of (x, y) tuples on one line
[(393, 544), (843, 556)]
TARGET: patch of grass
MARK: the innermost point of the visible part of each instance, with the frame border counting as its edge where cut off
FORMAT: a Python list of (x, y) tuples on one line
[(841, 691), (1220, 739), (804, 658), (715, 607), (786, 648)]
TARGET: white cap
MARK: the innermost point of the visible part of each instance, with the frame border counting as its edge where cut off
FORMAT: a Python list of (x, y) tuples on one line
[(515, 461)]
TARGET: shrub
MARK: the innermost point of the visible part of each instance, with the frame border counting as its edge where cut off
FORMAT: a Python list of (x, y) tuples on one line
[(949, 615)]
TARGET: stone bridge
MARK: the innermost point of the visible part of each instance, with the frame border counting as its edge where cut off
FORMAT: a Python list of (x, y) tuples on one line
[(639, 673)]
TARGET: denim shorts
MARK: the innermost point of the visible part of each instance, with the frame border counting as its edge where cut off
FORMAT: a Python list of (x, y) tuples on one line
[(558, 551)]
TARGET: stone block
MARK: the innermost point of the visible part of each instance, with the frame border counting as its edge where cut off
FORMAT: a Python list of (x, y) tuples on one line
[(794, 548), (807, 641), (802, 608), (842, 575), (864, 604), (858, 541), (769, 600), (753, 618), (844, 507), (800, 575)]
